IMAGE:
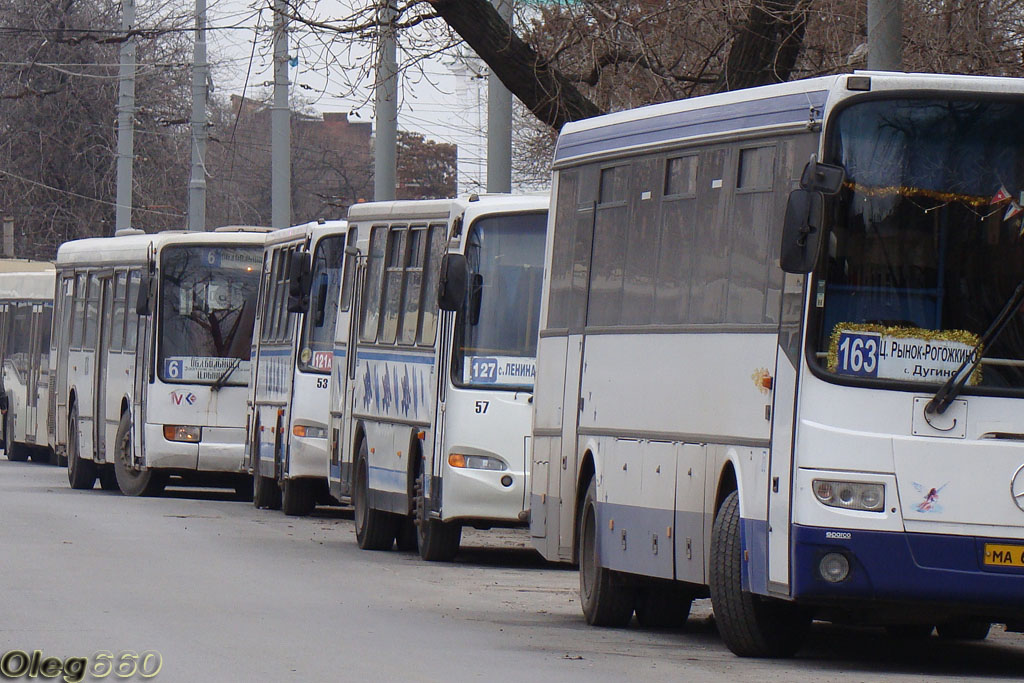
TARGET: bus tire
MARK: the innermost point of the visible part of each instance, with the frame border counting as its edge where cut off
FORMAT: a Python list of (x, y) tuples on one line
[(297, 497), (407, 539), (438, 541), (375, 529), (750, 625), (266, 495), (659, 606), (108, 478), (40, 454), (81, 473), (606, 599), (131, 480), (12, 449), (967, 629)]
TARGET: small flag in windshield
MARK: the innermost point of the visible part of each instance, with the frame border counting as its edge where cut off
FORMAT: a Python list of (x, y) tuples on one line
[(1000, 196)]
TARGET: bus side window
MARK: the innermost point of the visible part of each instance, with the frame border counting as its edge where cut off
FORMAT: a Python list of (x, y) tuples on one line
[(372, 285), (410, 310), (92, 313), (431, 269), (117, 318), (78, 311), (350, 271), (131, 328), (393, 280)]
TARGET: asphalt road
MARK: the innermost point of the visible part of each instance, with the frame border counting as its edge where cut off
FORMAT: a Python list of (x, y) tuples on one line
[(225, 592)]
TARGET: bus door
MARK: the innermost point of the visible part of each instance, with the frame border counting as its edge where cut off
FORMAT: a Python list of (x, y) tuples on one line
[(106, 311), (567, 464), (58, 360), (343, 450), (445, 334), (342, 372), (783, 413), (142, 326), (32, 378)]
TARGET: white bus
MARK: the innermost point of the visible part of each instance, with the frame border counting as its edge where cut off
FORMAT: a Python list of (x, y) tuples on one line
[(710, 420), (26, 310), (149, 358), (430, 414), (289, 394)]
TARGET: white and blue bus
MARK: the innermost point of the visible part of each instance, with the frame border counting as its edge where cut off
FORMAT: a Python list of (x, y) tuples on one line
[(430, 408), (149, 358), (293, 351), (26, 311), (832, 430)]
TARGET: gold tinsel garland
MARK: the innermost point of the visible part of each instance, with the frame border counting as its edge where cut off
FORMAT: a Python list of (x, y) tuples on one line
[(961, 336), (904, 191)]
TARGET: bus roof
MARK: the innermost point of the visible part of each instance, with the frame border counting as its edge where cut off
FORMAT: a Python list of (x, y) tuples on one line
[(21, 265), (135, 248), (35, 283), (746, 111), (313, 229), (425, 209)]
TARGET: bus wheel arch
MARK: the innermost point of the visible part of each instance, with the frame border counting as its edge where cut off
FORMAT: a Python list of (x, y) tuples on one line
[(132, 480), (375, 529), (81, 473), (727, 483), (438, 541), (587, 472)]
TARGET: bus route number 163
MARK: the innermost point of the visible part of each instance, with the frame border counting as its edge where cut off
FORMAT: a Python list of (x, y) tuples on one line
[(858, 354)]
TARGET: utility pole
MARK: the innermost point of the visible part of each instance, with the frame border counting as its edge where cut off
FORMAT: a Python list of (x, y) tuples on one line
[(280, 127), (200, 79), (385, 166), (885, 35), (499, 122), (125, 120)]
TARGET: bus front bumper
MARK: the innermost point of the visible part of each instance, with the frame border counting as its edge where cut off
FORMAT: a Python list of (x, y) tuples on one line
[(472, 494), (934, 571), (307, 457), (221, 449)]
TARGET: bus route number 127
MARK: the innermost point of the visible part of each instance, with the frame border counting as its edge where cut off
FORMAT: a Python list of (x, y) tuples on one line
[(858, 354)]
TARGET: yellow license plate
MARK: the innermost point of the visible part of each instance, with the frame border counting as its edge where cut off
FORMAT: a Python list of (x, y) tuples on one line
[(998, 555)]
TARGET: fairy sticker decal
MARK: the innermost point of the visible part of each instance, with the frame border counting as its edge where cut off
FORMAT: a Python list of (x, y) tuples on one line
[(931, 498)]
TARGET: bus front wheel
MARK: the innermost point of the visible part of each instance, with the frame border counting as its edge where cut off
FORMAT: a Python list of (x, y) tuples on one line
[(375, 529), (750, 625), (132, 480), (266, 495), (81, 473), (606, 599), (438, 541)]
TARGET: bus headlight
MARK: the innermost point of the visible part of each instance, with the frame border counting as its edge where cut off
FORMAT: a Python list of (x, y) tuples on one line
[(183, 433), (477, 462), (849, 495), (309, 432)]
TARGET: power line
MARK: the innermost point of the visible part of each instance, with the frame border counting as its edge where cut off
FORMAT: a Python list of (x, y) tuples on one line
[(82, 196)]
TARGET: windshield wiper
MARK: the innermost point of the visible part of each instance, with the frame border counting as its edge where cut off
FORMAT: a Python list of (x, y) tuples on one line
[(222, 380), (955, 384)]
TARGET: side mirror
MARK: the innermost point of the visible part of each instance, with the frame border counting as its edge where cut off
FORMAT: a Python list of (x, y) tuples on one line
[(801, 231), (451, 289), (823, 178), (142, 302), (298, 285)]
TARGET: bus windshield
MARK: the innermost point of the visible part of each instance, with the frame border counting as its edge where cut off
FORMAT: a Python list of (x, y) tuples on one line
[(317, 348), (926, 244), (496, 332), (207, 308)]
